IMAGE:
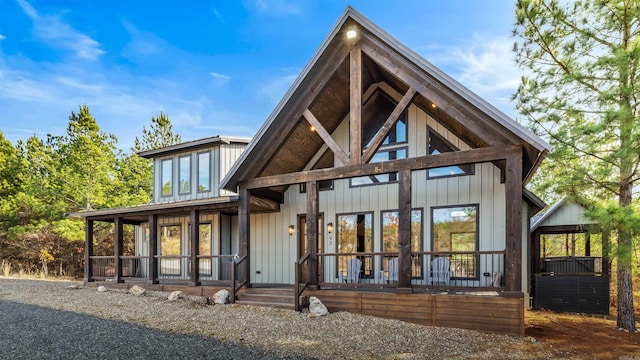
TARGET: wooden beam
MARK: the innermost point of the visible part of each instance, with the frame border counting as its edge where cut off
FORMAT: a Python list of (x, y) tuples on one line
[(244, 213), (194, 236), (418, 163), (355, 112), (264, 203), (513, 223), (388, 124), (152, 274), (404, 229), (427, 88), (326, 137), (88, 250), (312, 231), (117, 249)]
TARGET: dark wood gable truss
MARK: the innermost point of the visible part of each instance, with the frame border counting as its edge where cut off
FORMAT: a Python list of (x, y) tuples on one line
[(490, 145)]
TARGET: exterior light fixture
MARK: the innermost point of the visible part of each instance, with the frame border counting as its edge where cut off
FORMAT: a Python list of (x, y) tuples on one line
[(351, 34), (291, 230), (330, 228), (433, 106), (312, 128)]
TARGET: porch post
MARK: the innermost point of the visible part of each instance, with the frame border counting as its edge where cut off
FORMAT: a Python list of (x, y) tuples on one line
[(513, 224), (404, 230), (117, 249), (152, 273), (88, 251), (195, 246), (244, 213), (312, 231)]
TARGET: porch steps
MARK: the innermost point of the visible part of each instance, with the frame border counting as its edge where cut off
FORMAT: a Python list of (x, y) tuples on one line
[(281, 298)]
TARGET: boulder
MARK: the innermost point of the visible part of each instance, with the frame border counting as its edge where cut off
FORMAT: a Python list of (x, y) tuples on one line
[(137, 290), (316, 308), (176, 295), (101, 288), (221, 297)]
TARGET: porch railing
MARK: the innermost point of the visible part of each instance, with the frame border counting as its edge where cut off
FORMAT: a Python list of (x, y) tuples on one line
[(301, 278), (466, 270), (134, 266), (571, 265), (239, 276), (102, 267), (215, 267), (174, 267)]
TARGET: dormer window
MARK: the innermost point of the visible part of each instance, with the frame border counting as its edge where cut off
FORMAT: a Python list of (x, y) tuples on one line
[(166, 177), (439, 145)]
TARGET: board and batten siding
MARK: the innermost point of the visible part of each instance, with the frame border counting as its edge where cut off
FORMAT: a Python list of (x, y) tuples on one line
[(221, 159), (568, 214), (274, 251)]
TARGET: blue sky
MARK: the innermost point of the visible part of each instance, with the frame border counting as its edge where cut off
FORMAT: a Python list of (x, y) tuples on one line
[(215, 67)]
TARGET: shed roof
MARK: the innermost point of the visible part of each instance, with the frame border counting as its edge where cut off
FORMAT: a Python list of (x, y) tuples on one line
[(192, 145)]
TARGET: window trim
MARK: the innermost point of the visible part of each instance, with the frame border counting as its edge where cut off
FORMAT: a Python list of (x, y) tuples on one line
[(373, 241), (477, 243), (162, 162), (472, 167), (382, 212), (180, 192), (387, 148), (208, 189)]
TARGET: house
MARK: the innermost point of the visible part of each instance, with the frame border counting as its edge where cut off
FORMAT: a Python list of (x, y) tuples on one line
[(378, 184), (569, 271)]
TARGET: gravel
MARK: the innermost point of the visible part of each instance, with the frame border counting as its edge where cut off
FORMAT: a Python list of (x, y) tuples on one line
[(48, 319)]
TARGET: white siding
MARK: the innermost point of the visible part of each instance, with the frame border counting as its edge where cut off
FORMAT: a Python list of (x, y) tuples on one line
[(568, 214)]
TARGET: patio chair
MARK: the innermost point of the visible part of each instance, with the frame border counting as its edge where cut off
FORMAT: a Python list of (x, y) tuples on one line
[(441, 272), (392, 273), (353, 271)]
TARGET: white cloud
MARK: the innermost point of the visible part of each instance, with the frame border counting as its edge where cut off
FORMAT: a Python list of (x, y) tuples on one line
[(219, 76), (2, 37), (56, 33), (281, 7)]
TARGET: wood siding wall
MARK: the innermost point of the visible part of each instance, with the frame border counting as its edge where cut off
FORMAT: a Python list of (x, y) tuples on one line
[(273, 250), (568, 214)]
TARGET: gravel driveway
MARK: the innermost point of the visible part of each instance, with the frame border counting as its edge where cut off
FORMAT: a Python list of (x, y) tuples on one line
[(48, 320)]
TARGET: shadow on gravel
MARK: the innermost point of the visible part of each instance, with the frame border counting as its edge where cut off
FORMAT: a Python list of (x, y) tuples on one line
[(33, 332)]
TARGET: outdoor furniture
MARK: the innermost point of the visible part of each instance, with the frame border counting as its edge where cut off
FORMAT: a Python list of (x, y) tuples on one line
[(440, 270), (392, 272), (353, 271)]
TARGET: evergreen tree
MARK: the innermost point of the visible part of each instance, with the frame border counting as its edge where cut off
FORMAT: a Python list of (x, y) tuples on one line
[(159, 135)]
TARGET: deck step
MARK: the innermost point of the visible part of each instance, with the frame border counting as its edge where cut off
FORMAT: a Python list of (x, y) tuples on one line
[(282, 298)]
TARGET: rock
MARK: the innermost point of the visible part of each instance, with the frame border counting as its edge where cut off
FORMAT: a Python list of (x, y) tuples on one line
[(137, 290), (316, 308), (73, 287), (221, 297), (102, 288), (530, 339), (175, 295)]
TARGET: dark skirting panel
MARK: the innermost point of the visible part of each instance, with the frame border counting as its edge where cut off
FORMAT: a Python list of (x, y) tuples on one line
[(575, 294)]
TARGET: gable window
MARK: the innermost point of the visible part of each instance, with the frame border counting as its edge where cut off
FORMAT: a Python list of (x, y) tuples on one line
[(439, 145), (184, 165), (455, 229), (166, 177), (390, 238), (324, 162), (393, 147), (204, 171), (355, 235)]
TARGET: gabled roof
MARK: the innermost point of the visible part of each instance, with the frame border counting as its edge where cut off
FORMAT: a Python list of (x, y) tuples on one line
[(284, 145), (192, 145), (564, 212)]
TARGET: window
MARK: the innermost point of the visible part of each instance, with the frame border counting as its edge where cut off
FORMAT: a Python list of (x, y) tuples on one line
[(204, 171), (205, 265), (390, 238), (455, 229), (355, 235), (439, 145), (322, 186), (184, 164), (166, 177), (170, 244)]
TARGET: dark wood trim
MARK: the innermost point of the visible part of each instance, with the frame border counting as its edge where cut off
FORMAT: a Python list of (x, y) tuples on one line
[(418, 163), (564, 229), (404, 229), (264, 203), (312, 231), (388, 124), (194, 234), (153, 249), (88, 250), (118, 235), (326, 137), (513, 223), (355, 113), (244, 213)]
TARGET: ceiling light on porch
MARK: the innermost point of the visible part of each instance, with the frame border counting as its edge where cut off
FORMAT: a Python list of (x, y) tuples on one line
[(351, 34), (312, 128), (292, 230), (433, 106)]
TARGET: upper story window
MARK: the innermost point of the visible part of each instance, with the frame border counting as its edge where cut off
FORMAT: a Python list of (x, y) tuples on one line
[(438, 145), (393, 147), (204, 171), (184, 164), (166, 177)]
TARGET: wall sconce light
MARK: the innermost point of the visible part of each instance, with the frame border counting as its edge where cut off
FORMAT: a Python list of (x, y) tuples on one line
[(330, 228), (291, 229)]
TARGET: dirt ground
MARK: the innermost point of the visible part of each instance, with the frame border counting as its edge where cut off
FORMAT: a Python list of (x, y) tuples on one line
[(582, 336)]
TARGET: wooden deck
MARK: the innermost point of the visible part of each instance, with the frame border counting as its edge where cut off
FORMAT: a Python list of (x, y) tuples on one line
[(474, 312)]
